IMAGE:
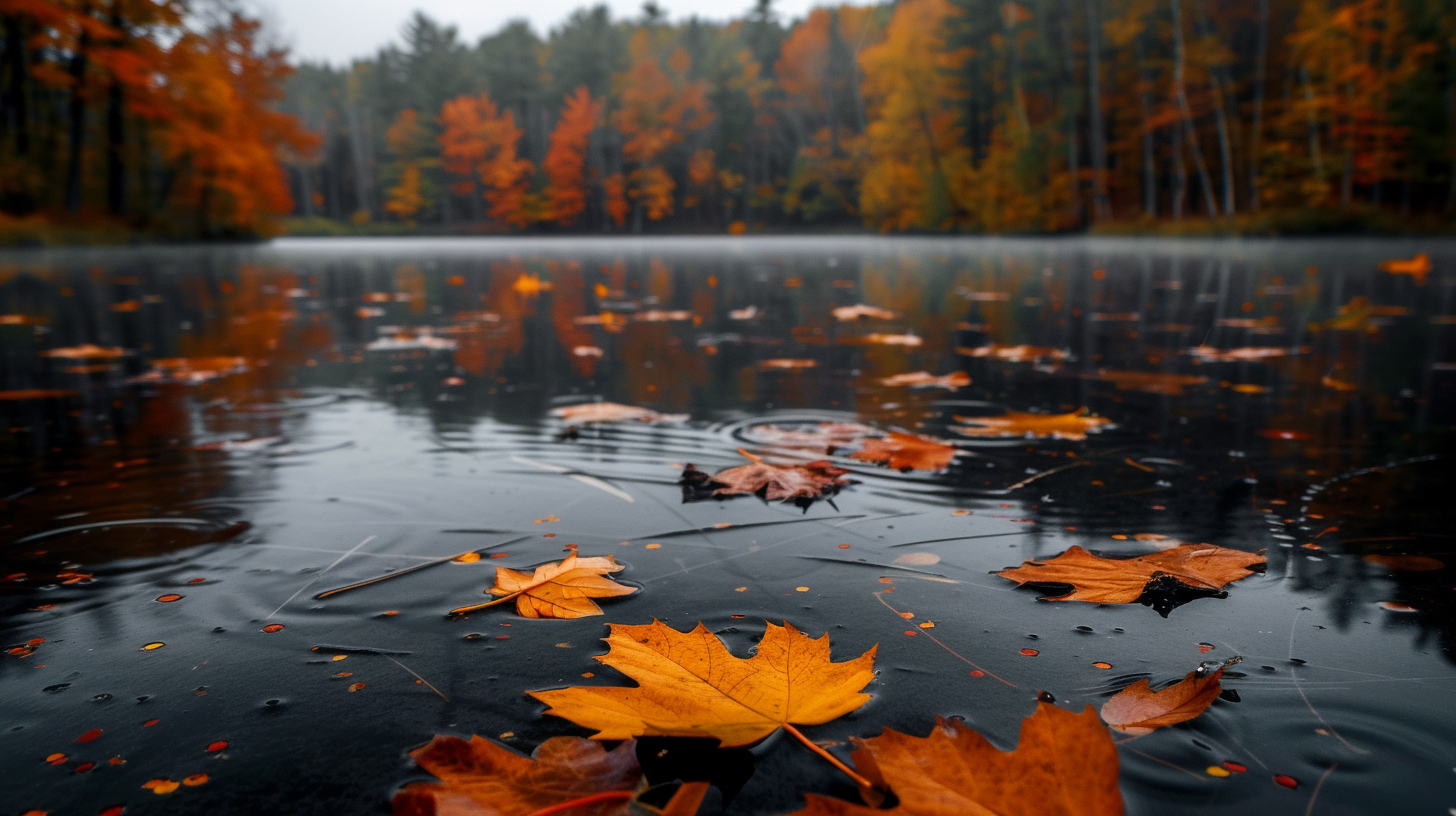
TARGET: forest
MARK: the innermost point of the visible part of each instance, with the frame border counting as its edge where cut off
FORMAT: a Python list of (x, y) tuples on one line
[(968, 116)]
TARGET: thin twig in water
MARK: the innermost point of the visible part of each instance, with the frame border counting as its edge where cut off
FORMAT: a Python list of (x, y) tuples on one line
[(305, 587), (1294, 675), (833, 760), (1029, 479), (1320, 784), (1164, 762), (417, 676), (417, 568), (879, 596)]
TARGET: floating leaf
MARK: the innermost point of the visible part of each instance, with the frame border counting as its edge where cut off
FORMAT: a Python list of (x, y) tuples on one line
[(786, 364), (860, 311), (478, 776), (560, 589), (86, 351), (1417, 267), (799, 483), (924, 379), (1064, 764), (907, 452), (821, 437), (591, 412), (160, 786), (1074, 426), (909, 340), (1125, 580), (1014, 354), (690, 685), (1139, 710), (1245, 354)]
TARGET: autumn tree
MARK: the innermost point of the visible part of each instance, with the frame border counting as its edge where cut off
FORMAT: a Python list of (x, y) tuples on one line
[(479, 143), (565, 165)]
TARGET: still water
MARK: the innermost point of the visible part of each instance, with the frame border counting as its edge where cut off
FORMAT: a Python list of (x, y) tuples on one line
[(199, 441)]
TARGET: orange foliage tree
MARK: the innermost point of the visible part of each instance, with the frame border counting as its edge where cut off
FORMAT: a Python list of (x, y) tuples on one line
[(565, 165), (479, 140)]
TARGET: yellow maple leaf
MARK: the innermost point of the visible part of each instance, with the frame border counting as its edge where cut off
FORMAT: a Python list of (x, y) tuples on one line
[(561, 589), (690, 685)]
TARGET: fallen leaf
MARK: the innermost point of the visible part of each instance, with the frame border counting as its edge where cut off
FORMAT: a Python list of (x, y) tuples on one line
[(1152, 382), (786, 364), (924, 379), (1139, 710), (1244, 354), (1124, 580), (907, 452), (690, 685), (822, 437), (909, 340), (1417, 267), (1064, 764), (86, 351), (1014, 354), (481, 778), (1073, 426), (859, 311), (660, 316), (800, 483), (590, 412), (560, 589), (194, 370)]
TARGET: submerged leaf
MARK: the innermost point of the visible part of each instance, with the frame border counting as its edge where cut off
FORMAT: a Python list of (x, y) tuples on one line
[(1139, 710), (590, 412), (1074, 426), (1124, 580), (560, 589), (1064, 764), (690, 685), (480, 778), (907, 452)]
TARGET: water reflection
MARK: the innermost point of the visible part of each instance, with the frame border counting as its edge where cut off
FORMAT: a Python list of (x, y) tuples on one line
[(1282, 395)]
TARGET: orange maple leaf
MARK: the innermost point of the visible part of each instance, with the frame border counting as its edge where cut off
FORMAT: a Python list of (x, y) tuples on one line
[(1064, 764), (1074, 426), (1124, 580), (907, 452), (1139, 710), (560, 589), (480, 778), (690, 685)]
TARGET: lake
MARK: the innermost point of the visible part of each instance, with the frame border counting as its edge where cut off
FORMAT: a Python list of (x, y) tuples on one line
[(202, 440)]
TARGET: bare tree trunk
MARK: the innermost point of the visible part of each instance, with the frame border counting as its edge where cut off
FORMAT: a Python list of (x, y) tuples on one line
[(1256, 141), (1180, 175), (1181, 90), (1217, 83), (359, 147), (1150, 170), (1101, 207), (1312, 124), (77, 115), (116, 130)]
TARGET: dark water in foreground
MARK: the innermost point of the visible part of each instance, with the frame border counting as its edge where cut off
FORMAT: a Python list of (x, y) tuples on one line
[(391, 406)]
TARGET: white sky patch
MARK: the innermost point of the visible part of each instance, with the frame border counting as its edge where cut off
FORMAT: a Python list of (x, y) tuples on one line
[(338, 31)]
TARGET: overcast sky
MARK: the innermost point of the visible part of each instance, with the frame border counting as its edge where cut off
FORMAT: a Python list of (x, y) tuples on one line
[(338, 30)]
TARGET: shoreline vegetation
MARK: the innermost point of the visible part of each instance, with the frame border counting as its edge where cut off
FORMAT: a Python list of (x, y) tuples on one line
[(162, 122)]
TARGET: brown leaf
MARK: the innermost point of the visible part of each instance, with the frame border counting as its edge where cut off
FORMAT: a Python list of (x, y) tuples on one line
[(1139, 710), (907, 452), (822, 437), (1014, 354), (480, 778), (802, 483), (560, 589), (1074, 426), (859, 311), (590, 412), (1123, 580), (924, 379), (1064, 764), (690, 685)]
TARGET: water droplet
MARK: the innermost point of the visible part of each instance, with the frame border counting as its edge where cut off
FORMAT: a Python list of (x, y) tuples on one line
[(103, 697), (1045, 697)]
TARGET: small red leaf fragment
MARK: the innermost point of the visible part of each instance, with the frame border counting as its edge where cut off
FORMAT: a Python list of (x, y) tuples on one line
[(356, 687), (114, 810), (169, 598), (1101, 665), (1236, 767), (197, 580), (150, 723), (160, 786), (1216, 770), (153, 646), (1030, 652), (57, 759), (273, 627), (195, 780), (1205, 648), (220, 745), (88, 736), (977, 673), (116, 760), (84, 767), (1286, 781)]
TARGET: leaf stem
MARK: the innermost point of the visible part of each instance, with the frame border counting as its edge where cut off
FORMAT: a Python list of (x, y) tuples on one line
[(596, 798), (462, 610), (833, 760)]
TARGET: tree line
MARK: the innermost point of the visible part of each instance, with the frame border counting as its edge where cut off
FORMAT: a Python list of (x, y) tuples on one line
[(152, 116)]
